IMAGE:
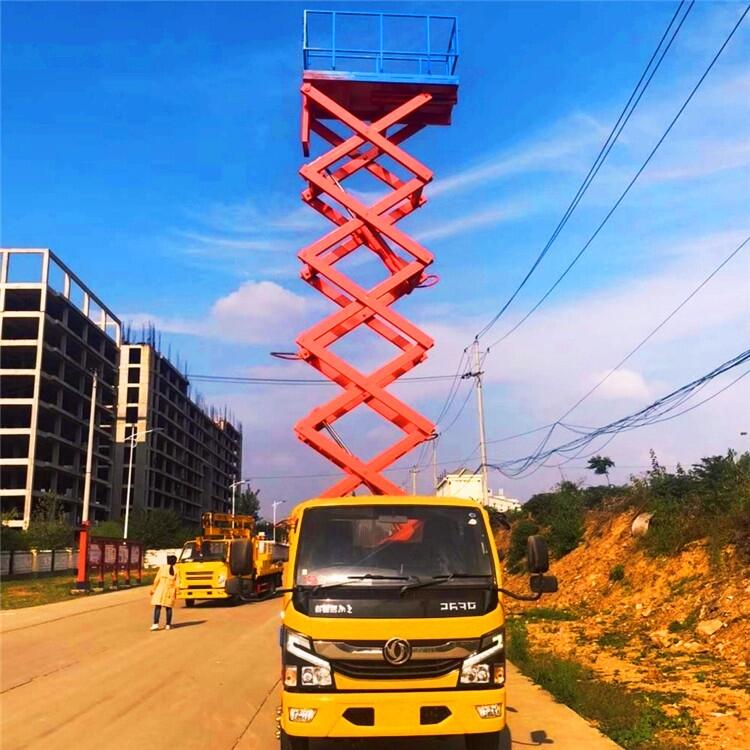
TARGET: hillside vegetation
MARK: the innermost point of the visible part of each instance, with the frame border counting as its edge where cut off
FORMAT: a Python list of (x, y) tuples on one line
[(648, 636)]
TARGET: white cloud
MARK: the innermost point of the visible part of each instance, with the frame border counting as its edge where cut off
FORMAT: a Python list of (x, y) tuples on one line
[(257, 312), (485, 217), (623, 384)]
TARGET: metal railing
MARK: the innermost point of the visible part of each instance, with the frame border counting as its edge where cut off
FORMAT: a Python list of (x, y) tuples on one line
[(425, 61)]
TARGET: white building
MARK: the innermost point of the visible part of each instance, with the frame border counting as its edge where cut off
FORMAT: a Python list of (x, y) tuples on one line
[(466, 484)]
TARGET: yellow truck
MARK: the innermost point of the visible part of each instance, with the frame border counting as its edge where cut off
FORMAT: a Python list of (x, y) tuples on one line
[(393, 621), (230, 560)]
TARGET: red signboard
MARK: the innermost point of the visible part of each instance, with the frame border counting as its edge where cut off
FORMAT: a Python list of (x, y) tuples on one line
[(99, 556)]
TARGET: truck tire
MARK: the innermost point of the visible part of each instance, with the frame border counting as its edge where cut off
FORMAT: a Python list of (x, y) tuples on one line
[(486, 741), (287, 742), (189, 602)]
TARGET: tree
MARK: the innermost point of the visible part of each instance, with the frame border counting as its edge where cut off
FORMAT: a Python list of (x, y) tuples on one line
[(601, 465), (248, 504), (48, 529), (158, 529)]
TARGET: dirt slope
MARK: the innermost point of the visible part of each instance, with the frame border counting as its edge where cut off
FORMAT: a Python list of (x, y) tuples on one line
[(675, 625)]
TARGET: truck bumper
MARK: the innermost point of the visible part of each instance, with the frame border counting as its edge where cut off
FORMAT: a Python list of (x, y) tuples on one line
[(398, 714), (202, 594)]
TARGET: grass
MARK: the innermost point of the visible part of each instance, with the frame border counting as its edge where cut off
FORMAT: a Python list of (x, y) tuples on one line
[(616, 639), (632, 719), (549, 613), (16, 593), (687, 624)]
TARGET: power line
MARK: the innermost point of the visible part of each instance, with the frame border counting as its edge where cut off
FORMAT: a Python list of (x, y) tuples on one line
[(659, 411), (700, 286), (629, 186), (655, 330), (239, 380), (601, 157)]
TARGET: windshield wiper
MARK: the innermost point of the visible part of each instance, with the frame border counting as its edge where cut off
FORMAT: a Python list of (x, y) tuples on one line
[(365, 577), (419, 584)]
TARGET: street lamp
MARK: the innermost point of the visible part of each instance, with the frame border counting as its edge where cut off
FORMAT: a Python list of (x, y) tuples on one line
[(133, 436), (274, 505), (234, 487)]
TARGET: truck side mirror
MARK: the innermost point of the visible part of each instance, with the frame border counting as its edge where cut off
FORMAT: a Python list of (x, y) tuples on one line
[(537, 555), (541, 584)]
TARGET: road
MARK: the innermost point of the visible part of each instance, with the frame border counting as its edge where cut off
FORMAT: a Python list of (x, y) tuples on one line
[(89, 674)]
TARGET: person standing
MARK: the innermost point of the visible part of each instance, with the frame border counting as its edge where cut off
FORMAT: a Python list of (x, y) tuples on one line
[(164, 592)]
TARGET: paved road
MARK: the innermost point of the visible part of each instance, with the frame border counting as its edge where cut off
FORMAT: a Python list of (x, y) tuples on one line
[(89, 674)]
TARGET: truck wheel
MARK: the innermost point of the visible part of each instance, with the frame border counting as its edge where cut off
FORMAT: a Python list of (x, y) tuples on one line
[(287, 742), (189, 602), (486, 741)]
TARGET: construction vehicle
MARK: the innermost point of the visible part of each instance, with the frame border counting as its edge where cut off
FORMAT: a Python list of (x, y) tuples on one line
[(229, 560), (393, 621)]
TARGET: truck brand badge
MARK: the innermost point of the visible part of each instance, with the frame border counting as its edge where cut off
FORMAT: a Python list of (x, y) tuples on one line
[(397, 651), (456, 606)]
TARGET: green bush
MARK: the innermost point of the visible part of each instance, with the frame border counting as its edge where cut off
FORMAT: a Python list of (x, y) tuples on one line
[(47, 529), (617, 573), (159, 529), (710, 501)]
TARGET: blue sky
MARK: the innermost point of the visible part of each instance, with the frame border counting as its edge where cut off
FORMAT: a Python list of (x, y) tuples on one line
[(154, 147)]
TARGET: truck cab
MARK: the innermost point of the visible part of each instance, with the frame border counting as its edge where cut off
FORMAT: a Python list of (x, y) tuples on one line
[(393, 623)]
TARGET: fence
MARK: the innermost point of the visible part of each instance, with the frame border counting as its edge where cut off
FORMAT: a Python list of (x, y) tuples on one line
[(31, 562)]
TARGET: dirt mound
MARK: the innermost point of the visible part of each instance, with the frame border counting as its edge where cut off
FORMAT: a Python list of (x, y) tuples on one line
[(679, 626)]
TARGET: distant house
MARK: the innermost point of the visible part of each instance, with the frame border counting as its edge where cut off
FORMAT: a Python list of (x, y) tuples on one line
[(468, 484)]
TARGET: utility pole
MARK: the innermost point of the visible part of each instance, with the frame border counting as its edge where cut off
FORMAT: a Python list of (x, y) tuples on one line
[(275, 505), (414, 471), (477, 375), (133, 436), (434, 465), (89, 453)]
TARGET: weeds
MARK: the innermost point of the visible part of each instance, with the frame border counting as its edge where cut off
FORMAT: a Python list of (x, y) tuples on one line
[(630, 718), (613, 639), (549, 613), (617, 573)]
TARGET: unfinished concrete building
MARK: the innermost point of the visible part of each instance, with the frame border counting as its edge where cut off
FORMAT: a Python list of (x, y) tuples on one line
[(54, 334), (184, 457)]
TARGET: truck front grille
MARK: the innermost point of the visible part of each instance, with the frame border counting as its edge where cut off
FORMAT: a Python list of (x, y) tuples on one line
[(379, 670)]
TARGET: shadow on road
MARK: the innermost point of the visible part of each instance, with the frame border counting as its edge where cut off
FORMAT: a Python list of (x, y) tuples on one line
[(412, 743), (187, 624)]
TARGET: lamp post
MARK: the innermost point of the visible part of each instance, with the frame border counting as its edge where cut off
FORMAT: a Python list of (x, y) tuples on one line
[(274, 505), (133, 436), (234, 487)]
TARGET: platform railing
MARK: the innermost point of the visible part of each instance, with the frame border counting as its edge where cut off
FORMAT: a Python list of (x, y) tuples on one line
[(427, 61)]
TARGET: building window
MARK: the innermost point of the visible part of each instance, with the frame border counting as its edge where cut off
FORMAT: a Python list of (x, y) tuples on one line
[(134, 375), (134, 356), (133, 395)]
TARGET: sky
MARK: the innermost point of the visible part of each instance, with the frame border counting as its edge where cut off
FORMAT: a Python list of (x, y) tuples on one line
[(155, 148)]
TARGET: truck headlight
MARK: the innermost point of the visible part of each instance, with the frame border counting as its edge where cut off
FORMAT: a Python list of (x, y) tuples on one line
[(221, 579), (475, 674), (314, 671), (487, 665), (316, 676), (290, 676)]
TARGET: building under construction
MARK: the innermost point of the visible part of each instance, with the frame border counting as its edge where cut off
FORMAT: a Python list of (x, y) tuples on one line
[(55, 333), (185, 457)]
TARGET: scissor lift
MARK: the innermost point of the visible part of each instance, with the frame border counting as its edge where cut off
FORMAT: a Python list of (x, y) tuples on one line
[(381, 77)]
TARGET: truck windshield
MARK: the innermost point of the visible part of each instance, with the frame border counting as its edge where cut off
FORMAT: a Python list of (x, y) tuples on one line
[(385, 545), (206, 552)]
